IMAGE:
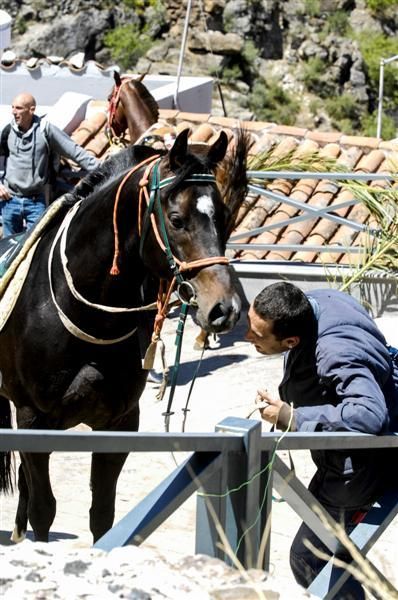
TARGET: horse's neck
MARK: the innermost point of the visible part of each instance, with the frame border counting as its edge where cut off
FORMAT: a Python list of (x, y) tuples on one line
[(138, 129), (90, 243)]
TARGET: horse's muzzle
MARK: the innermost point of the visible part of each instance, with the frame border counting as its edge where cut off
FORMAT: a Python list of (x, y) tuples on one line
[(223, 316)]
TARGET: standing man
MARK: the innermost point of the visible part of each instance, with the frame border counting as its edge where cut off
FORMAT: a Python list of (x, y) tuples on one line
[(339, 375), (28, 149)]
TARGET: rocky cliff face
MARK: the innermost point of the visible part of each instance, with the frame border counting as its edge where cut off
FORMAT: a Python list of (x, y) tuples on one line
[(297, 62)]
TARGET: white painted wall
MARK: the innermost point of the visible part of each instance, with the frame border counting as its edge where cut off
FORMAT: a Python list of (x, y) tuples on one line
[(48, 82)]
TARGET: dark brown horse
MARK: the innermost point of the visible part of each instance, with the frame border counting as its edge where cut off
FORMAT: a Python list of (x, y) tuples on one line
[(131, 106), (70, 351)]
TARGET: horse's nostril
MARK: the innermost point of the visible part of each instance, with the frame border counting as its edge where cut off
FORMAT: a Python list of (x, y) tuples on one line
[(219, 315)]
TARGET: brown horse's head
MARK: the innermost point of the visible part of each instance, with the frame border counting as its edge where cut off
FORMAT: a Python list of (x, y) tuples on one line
[(192, 221), (131, 106)]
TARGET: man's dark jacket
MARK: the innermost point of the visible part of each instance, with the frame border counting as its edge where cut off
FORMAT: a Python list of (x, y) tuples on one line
[(342, 378)]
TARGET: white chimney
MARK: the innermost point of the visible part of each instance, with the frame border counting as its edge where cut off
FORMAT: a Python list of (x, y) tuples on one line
[(5, 29)]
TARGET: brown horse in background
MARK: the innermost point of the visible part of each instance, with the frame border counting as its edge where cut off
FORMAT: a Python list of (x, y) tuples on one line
[(131, 106)]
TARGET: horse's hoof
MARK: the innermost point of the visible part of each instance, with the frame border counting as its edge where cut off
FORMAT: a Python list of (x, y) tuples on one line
[(154, 377), (16, 536), (201, 345)]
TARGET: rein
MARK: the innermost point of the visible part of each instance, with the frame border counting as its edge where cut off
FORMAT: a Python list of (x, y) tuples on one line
[(177, 267)]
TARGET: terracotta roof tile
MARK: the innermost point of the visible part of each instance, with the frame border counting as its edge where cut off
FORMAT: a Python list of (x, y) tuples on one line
[(258, 125), (98, 145), (361, 154), (324, 137), (362, 142), (391, 145), (168, 114), (288, 130), (225, 122), (195, 117), (202, 133), (369, 163), (88, 128), (263, 144)]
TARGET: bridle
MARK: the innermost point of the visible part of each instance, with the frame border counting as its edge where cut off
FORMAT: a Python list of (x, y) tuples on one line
[(178, 268), (113, 103)]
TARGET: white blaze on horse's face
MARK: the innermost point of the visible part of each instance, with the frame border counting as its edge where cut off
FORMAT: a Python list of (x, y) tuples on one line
[(205, 205)]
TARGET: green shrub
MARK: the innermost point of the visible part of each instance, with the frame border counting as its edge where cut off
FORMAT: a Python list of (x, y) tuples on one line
[(379, 6), (313, 69), (127, 44), (312, 8), (345, 113), (373, 47), (140, 5), (20, 25), (337, 22), (342, 107), (269, 102), (231, 74), (250, 52), (369, 126)]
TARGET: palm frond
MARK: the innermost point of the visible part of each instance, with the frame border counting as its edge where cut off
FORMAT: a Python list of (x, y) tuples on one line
[(293, 160)]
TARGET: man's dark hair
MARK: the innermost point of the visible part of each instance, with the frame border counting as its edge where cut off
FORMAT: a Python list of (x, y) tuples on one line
[(288, 308)]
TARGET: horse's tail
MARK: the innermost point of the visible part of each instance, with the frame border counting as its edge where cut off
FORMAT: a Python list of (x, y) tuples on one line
[(6, 480)]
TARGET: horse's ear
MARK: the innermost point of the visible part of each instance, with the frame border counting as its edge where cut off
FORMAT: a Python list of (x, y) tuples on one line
[(178, 152), (218, 150), (117, 78)]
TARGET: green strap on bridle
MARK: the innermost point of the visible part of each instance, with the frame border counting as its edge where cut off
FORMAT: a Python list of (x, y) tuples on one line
[(154, 205), (178, 342)]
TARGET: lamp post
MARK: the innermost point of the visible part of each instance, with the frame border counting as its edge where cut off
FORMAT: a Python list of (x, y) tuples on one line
[(182, 51), (383, 61)]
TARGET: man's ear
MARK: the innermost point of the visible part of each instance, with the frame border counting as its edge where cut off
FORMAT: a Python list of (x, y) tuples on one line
[(291, 342)]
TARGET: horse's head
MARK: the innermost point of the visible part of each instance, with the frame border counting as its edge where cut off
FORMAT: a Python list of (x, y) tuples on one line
[(190, 222), (130, 106)]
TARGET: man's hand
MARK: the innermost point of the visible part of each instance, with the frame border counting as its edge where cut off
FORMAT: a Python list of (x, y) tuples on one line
[(272, 406), (4, 193), (275, 411)]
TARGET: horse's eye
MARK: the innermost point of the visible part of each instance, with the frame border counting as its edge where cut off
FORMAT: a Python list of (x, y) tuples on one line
[(176, 221)]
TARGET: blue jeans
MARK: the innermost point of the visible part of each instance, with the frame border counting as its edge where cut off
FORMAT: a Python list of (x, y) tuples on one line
[(20, 214), (306, 566)]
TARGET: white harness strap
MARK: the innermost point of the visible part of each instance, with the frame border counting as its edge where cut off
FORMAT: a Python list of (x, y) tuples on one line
[(68, 324)]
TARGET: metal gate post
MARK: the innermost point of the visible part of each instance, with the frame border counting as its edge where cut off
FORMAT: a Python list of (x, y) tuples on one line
[(230, 499)]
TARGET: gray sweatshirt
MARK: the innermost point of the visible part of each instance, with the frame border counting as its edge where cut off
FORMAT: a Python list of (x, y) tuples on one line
[(27, 166)]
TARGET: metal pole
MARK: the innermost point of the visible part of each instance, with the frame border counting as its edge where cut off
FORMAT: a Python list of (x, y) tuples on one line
[(383, 61), (380, 107), (182, 51)]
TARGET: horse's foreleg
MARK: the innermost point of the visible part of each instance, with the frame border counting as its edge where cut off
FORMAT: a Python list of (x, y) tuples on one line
[(201, 340), (41, 501), (21, 519), (105, 470)]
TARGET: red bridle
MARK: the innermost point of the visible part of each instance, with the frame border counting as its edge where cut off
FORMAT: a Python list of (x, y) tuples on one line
[(113, 103)]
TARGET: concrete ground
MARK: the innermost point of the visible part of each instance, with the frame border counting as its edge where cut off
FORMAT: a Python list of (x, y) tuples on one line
[(230, 373)]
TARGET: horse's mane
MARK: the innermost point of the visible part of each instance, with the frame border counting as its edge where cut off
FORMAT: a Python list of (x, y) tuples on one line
[(112, 169), (232, 176), (145, 96)]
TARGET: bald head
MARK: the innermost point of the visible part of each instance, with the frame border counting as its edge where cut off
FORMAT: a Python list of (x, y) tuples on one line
[(23, 108)]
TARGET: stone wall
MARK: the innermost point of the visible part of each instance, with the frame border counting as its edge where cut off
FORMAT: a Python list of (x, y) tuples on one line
[(259, 40), (56, 571)]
